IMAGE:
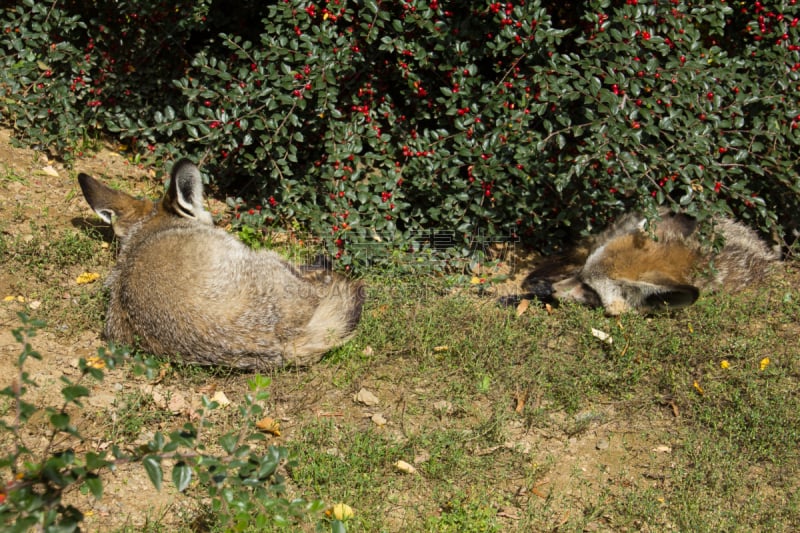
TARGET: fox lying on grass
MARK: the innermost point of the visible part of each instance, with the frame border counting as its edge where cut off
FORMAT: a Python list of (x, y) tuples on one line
[(182, 287), (626, 269)]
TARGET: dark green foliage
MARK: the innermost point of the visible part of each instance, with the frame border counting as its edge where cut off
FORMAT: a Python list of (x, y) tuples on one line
[(387, 128)]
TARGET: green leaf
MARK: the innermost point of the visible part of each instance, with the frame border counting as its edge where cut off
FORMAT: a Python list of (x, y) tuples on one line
[(152, 465), (95, 485), (181, 475)]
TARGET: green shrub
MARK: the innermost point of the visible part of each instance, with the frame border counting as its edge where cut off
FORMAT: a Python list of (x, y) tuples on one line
[(413, 130)]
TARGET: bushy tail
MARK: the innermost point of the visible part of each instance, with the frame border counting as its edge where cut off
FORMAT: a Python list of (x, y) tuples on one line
[(333, 322)]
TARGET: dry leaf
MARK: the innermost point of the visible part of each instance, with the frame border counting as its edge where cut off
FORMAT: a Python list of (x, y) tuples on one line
[(378, 419), (405, 468), (603, 336), (221, 399), (270, 425), (523, 306), (340, 511), (662, 449), (675, 412), (520, 398), (87, 277), (366, 397), (440, 348), (548, 308), (49, 171), (95, 362)]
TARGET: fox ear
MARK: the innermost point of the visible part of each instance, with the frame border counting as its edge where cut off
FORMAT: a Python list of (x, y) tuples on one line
[(100, 197), (185, 194), (673, 298), (665, 293)]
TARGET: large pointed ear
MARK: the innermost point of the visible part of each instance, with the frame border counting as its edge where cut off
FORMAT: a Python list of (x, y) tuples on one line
[(674, 297), (117, 208), (663, 293), (184, 196), (101, 199)]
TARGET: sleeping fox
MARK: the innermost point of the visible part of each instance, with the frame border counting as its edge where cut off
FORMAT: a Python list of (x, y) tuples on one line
[(182, 287), (626, 268)]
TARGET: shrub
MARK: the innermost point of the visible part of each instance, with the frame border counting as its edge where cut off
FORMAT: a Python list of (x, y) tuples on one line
[(408, 130), (243, 484)]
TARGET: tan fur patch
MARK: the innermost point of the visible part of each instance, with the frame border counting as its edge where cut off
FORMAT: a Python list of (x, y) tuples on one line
[(635, 257)]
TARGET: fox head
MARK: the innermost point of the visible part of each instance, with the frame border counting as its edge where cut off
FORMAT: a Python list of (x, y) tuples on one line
[(183, 199), (626, 269)]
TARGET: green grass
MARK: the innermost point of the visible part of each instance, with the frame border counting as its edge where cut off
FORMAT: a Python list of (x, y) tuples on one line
[(734, 439), (502, 416)]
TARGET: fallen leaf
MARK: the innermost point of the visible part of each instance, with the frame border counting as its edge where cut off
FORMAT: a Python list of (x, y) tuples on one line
[(221, 399), (49, 171), (520, 398), (548, 308), (87, 277), (440, 348), (602, 336), (95, 362), (662, 449), (698, 388), (405, 467), (340, 511), (523, 306), (270, 425), (366, 397), (378, 419), (368, 351), (508, 512)]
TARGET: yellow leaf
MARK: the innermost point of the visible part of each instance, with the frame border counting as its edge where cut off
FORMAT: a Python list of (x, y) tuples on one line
[(764, 363), (698, 388), (523, 306), (270, 425), (340, 511), (95, 362), (87, 277), (724, 364)]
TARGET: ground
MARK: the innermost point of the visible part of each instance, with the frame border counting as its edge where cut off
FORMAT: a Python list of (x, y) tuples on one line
[(562, 472)]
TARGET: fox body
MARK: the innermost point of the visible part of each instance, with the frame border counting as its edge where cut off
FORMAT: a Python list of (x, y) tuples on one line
[(626, 268), (182, 287)]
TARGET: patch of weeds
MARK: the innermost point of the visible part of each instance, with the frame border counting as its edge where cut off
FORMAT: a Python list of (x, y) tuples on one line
[(134, 414), (45, 253), (462, 513)]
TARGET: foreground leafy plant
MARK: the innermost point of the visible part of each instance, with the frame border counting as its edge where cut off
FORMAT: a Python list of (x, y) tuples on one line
[(243, 482)]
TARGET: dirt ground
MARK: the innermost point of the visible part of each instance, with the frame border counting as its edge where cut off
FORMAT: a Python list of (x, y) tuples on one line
[(610, 452)]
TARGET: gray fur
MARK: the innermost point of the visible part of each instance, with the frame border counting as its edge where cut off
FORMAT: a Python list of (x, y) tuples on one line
[(626, 269), (183, 288)]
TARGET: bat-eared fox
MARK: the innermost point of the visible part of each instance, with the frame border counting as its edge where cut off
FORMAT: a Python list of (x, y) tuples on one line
[(628, 267), (183, 288)]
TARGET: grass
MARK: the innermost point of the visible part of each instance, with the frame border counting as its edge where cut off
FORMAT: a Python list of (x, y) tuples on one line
[(513, 423)]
